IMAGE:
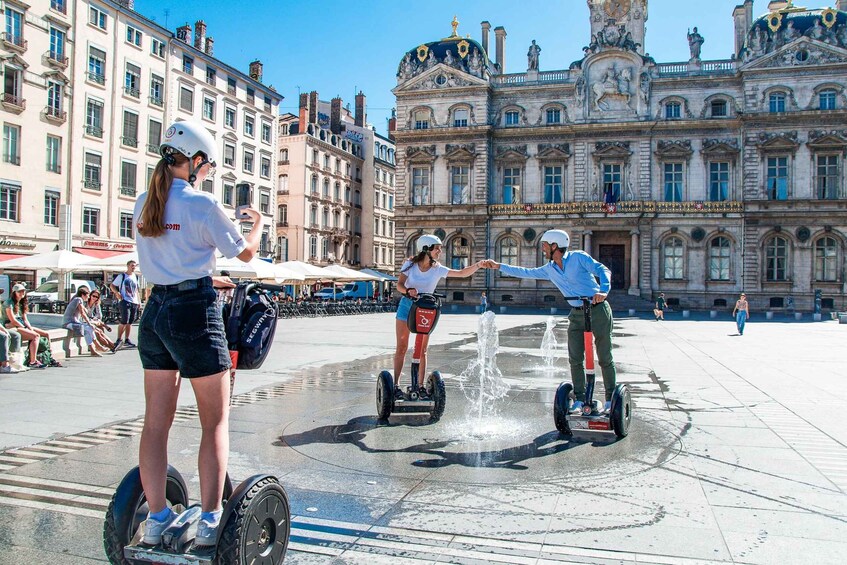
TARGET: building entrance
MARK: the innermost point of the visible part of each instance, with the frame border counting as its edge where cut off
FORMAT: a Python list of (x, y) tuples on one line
[(614, 257)]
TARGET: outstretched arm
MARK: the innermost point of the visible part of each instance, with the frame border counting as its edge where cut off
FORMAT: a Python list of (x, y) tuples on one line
[(466, 272), (539, 273)]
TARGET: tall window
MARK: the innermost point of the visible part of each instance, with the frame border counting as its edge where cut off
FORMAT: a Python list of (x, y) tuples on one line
[(673, 260), (460, 191), (283, 214), (673, 110), (554, 116), (508, 251), (157, 90), (265, 167), (314, 185), (420, 186), (826, 260), (229, 154), (9, 196), (512, 118), (422, 119), (14, 26), (266, 132), (11, 144), (283, 183), (826, 99), (54, 154), (12, 85), (97, 17), (186, 99), (90, 220), (265, 202), (94, 118), (97, 65), (511, 185), (673, 182), (827, 177), (54, 98), (460, 253), (249, 125), (126, 225), (209, 108), (553, 185), (776, 102), (336, 191), (248, 161), (719, 250), (187, 64), (313, 247), (718, 182), (612, 182), (154, 135), (325, 192), (229, 117), (57, 44), (282, 253), (229, 191), (129, 174), (211, 75), (776, 259), (130, 129), (51, 208), (91, 172), (325, 217), (777, 178), (460, 119), (313, 217)]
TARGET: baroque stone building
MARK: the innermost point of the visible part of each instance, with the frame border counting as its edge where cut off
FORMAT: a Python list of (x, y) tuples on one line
[(697, 178)]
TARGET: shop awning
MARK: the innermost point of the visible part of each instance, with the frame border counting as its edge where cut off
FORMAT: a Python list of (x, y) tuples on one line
[(7, 256), (98, 253)]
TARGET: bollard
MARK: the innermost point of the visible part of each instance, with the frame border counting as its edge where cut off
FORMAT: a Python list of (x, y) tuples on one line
[(554, 311), (686, 313), (769, 315), (816, 317), (502, 309), (842, 318), (713, 314), (632, 311), (798, 316)]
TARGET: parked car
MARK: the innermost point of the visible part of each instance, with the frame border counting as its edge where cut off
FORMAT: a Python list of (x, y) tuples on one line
[(47, 293)]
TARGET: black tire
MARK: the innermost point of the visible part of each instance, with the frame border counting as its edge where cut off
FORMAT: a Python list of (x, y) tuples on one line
[(120, 526), (621, 412), (561, 407), (438, 393), (259, 527), (384, 395)]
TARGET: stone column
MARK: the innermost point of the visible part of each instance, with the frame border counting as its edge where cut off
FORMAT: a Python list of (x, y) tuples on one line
[(586, 242), (635, 261)]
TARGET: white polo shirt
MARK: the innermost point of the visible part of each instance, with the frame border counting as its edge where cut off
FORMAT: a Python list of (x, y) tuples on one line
[(195, 226)]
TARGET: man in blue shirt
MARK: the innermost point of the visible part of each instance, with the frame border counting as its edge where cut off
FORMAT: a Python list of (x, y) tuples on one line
[(576, 273)]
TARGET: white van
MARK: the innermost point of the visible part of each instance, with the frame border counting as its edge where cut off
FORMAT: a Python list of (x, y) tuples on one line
[(48, 292)]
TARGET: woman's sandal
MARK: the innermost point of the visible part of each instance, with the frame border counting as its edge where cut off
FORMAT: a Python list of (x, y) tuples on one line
[(37, 365), (54, 363)]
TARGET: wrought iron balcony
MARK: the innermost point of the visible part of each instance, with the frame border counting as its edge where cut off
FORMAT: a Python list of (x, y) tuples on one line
[(56, 59), (97, 78), (130, 91), (12, 159), (13, 102), (13, 41), (282, 191), (282, 224), (54, 168), (128, 191), (91, 184), (55, 114), (129, 141), (94, 131), (157, 101), (153, 148)]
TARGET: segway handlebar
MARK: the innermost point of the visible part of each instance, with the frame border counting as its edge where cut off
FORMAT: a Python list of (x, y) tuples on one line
[(432, 294), (271, 287)]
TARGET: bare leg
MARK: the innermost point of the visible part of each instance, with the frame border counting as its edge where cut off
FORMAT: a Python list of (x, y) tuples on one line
[(161, 390), (32, 337), (402, 331), (212, 393)]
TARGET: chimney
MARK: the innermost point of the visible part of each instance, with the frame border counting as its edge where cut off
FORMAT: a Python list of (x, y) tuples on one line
[(210, 46), (183, 33), (335, 115), (485, 28), (304, 111), (199, 35), (742, 15), (361, 116), (500, 46), (775, 5), (128, 4), (313, 107), (256, 69), (392, 124)]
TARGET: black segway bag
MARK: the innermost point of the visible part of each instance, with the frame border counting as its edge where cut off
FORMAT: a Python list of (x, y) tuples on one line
[(424, 314), (251, 325)]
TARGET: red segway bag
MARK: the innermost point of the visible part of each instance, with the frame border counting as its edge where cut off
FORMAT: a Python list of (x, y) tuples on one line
[(424, 314)]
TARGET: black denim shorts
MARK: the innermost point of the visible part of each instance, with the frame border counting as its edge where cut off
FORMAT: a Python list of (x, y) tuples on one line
[(183, 330), (129, 312)]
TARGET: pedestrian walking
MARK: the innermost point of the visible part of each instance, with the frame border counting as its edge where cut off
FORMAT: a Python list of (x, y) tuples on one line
[(659, 310), (181, 332), (741, 313), (125, 289), (483, 303)]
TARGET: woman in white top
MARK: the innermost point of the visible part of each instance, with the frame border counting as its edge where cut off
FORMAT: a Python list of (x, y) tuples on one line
[(419, 275), (181, 332)]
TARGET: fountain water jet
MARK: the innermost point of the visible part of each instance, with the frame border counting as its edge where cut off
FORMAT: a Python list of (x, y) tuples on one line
[(482, 383)]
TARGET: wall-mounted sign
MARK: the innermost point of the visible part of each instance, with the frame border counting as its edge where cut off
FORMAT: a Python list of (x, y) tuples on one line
[(99, 244), (323, 119), (5, 242), (354, 136)]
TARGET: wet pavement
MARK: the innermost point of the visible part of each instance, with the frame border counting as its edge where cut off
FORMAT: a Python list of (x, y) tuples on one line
[(734, 456)]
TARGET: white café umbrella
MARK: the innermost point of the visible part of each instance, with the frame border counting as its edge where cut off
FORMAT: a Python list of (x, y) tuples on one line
[(60, 262), (115, 262), (309, 271), (346, 274), (238, 268)]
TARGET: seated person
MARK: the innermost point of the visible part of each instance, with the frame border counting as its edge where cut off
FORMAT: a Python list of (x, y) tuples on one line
[(76, 319), (13, 315)]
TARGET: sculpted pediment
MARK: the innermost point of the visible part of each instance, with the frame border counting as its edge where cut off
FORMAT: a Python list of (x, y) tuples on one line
[(464, 152), (441, 77), (512, 153), (783, 141), (720, 148), (674, 149), (553, 151), (14, 60), (801, 52), (823, 140), (420, 154), (612, 150)]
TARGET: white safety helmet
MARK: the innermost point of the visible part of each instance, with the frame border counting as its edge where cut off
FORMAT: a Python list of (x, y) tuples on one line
[(189, 138), (427, 242), (559, 237)]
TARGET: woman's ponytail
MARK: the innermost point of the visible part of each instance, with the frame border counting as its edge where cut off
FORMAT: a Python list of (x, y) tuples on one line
[(152, 222)]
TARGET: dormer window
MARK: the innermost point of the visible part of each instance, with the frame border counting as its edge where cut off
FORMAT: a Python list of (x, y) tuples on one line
[(718, 108), (554, 116), (460, 118), (512, 118), (776, 102), (673, 110), (422, 119), (826, 99)]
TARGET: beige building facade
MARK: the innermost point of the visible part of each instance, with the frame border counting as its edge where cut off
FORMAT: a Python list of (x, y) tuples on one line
[(701, 179)]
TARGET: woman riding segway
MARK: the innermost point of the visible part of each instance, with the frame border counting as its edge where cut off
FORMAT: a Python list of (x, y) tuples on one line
[(419, 275)]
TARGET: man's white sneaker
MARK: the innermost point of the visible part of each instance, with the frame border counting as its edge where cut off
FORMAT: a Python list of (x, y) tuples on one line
[(153, 528), (577, 406)]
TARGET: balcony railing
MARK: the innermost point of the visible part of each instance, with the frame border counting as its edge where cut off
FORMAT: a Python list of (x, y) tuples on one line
[(282, 224), (94, 131), (56, 59), (13, 41), (230, 89), (13, 102), (96, 77), (128, 190), (153, 148), (91, 184), (157, 101), (282, 191), (627, 207), (55, 114), (129, 141), (11, 159), (130, 91), (54, 168)]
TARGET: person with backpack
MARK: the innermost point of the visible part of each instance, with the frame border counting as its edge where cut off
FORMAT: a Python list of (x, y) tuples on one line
[(13, 315), (181, 332), (125, 290)]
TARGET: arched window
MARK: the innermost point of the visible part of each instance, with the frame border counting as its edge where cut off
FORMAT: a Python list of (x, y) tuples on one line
[(460, 118), (283, 154), (325, 249), (776, 102), (282, 252), (313, 247), (673, 258), (508, 251), (337, 191), (336, 219), (826, 259), (283, 183), (313, 217), (553, 115), (460, 253), (718, 108), (347, 194), (776, 259), (719, 250), (356, 257), (325, 217), (421, 119), (826, 99), (673, 110)]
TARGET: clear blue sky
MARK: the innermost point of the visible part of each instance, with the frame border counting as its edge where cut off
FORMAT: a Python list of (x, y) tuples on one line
[(336, 47)]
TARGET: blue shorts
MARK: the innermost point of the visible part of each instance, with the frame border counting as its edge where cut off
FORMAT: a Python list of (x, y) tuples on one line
[(403, 308), (183, 330)]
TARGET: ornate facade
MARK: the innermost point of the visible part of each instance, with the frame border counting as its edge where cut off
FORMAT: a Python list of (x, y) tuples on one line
[(697, 178)]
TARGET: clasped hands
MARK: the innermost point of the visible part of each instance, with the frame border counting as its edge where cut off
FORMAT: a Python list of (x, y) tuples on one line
[(488, 264)]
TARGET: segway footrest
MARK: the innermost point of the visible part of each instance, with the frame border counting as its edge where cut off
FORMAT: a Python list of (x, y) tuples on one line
[(413, 405), (196, 555)]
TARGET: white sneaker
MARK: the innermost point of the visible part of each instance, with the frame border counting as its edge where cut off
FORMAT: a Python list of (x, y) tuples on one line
[(207, 533), (7, 370), (153, 529), (607, 406), (577, 406)]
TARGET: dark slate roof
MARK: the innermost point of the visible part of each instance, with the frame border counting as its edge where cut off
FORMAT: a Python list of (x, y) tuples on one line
[(439, 50), (803, 21)]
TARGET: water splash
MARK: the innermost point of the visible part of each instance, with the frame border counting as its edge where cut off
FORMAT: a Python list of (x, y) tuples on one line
[(549, 345), (482, 383)]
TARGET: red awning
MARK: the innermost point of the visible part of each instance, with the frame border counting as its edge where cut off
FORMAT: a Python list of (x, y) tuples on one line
[(98, 253), (7, 256)]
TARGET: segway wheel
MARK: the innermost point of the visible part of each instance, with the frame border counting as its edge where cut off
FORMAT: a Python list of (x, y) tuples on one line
[(258, 529), (128, 508), (561, 407), (621, 412), (384, 395), (438, 393)]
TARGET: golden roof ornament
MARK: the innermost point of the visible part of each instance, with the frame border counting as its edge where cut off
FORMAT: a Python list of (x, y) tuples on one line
[(455, 24)]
